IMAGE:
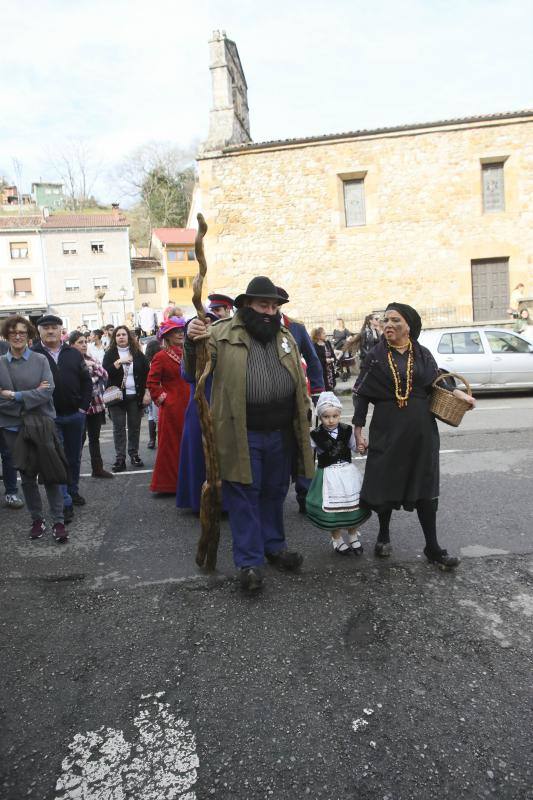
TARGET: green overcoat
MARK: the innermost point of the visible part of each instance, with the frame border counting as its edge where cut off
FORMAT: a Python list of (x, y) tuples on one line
[(229, 342)]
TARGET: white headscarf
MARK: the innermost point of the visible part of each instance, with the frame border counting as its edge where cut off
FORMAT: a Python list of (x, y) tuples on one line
[(327, 400)]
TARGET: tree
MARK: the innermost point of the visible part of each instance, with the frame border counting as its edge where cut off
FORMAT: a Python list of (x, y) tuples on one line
[(160, 179), (76, 167)]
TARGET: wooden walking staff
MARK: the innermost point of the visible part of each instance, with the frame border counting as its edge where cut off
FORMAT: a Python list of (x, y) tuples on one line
[(211, 497)]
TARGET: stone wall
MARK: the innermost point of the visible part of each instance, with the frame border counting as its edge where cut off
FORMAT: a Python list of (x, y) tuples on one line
[(278, 211)]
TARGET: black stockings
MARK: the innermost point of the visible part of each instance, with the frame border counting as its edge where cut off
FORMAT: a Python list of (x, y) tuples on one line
[(384, 522), (427, 514)]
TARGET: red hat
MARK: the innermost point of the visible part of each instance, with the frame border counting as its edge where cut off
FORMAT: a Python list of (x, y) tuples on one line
[(170, 324)]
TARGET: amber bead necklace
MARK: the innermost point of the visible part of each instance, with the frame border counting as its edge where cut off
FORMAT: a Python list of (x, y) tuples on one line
[(402, 398)]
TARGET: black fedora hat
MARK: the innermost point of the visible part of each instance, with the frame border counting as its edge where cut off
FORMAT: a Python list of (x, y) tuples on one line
[(260, 288)]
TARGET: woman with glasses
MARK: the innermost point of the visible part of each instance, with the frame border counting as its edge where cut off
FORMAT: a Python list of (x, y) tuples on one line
[(26, 388)]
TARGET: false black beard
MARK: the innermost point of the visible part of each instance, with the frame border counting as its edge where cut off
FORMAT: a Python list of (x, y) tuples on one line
[(261, 326)]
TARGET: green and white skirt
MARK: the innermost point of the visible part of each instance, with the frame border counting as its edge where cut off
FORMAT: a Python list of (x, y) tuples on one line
[(330, 520)]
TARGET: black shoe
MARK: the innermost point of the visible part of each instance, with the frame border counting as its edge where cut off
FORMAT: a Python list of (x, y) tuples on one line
[(442, 559), (119, 465), (136, 461), (78, 500), (68, 514), (382, 549), (251, 579), (285, 559)]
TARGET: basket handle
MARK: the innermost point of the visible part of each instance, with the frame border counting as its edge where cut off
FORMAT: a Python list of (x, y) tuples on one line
[(454, 375)]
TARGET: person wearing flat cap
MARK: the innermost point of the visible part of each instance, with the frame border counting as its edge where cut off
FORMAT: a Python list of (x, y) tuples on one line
[(73, 390), (220, 305), (402, 468), (260, 410)]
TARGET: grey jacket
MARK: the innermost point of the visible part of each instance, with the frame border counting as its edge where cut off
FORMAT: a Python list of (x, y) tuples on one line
[(24, 377)]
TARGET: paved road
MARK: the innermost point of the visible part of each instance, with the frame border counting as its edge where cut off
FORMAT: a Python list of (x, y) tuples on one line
[(127, 673)]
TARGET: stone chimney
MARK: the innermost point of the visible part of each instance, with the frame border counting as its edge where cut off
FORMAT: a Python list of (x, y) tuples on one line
[(228, 122), (115, 210)]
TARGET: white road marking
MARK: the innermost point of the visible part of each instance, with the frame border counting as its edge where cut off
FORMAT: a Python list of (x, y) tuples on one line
[(160, 764), (118, 474)]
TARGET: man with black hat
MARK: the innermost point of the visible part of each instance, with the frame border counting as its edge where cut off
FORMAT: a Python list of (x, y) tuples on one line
[(220, 305), (261, 411), (72, 397)]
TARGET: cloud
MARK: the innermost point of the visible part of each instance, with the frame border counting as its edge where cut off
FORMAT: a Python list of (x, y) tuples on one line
[(123, 72)]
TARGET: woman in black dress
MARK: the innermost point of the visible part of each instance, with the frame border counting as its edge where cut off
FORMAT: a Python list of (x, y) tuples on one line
[(326, 356), (402, 468)]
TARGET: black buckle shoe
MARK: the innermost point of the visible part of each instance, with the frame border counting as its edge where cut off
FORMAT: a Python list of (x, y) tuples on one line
[(285, 559), (251, 579), (442, 560)]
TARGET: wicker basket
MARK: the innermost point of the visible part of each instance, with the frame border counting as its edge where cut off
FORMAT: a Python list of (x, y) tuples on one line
[(444, 405)]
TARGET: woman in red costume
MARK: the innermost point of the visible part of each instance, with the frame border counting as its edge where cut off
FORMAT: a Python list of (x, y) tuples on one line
[(170, 392)]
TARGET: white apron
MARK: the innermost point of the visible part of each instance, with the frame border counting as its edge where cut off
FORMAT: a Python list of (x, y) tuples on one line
[(341, 487)]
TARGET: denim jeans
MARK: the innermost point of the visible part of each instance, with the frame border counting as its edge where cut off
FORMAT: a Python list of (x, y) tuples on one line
[(70, 428), (9, 473), (256, 509)]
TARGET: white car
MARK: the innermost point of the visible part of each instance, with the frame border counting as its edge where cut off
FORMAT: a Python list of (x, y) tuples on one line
[(489, 358)]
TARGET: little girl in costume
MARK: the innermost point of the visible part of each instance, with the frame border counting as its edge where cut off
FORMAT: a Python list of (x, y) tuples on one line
[(333, 498)]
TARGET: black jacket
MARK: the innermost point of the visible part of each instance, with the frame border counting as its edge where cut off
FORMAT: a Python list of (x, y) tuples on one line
[(116, 376), (73, 385), (38, 450)]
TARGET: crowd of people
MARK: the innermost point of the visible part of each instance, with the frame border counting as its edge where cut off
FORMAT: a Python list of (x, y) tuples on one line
[(268, 377)]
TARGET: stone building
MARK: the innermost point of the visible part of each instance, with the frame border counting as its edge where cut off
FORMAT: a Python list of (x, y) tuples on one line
[(439, 214)]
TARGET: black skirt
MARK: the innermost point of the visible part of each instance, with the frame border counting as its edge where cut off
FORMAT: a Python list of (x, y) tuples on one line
[(403, 455)]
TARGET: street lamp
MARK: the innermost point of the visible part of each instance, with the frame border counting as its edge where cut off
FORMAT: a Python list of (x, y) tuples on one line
[(122, 292)]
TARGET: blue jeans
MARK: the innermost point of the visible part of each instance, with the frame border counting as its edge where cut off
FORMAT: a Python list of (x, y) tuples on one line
[(9, 473), (255, 509), (70, 429)]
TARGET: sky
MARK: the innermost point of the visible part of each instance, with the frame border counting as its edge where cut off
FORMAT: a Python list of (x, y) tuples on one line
[(119, 73)]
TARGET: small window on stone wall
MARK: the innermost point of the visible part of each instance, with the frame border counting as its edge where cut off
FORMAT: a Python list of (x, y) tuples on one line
[(354, 202), (493, 187)]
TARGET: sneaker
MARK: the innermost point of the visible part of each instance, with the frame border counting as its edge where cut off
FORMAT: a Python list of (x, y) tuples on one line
[(78, 500), (60, 533), (136, 461), (285, 559), (38, 528), (119, 465), (68, 514), (251, 579), (13, 501)]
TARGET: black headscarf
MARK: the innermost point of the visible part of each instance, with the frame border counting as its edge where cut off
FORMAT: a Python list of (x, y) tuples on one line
[(410, 315)]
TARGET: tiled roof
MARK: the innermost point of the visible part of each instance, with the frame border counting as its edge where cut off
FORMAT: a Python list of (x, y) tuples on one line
[(85, 221), (175, 235), (21, 223), (380, 131)]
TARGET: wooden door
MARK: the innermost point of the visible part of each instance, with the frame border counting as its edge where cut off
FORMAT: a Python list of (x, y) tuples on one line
[(490, 288)]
